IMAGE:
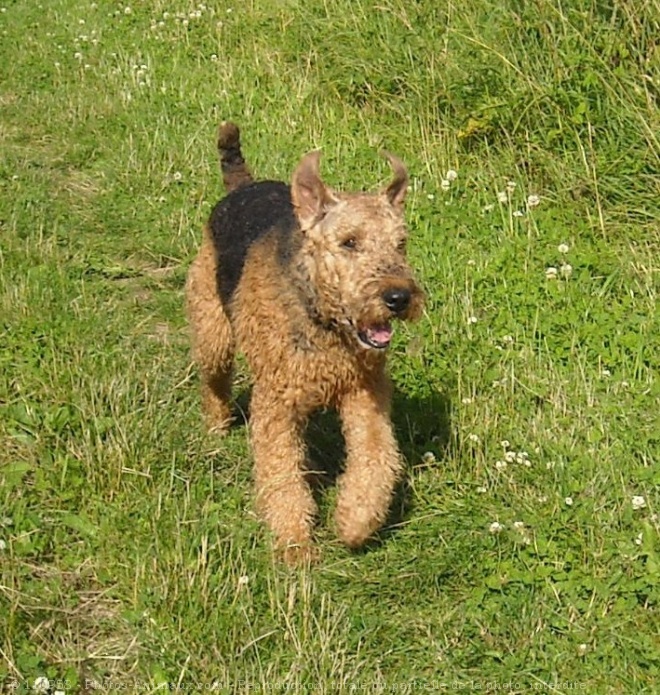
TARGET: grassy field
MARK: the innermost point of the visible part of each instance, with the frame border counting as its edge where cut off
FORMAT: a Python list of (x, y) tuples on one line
[(524, 555)]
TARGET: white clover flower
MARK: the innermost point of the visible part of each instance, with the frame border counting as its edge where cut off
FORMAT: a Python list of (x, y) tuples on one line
[(472, 319), (510, 456), (542, 499), (214, 57), (78, 55), (508, 339), (3, 544), (563, 248), (606, 372), (445, 184), (473, 438), (501, 465), (566, 270), (489, 208), (176, 176), (481, 489), (582, 649), (428, 457), (533, 201), (430, 196), (451, 175), (466, 401), (503, 197), (127, 10), (638, 502), (551, 273), (41, 684), (496, 527), (568, 501), (243, 580), (511, 186), (471, 262), (505, 443), (640, 539), (518, 213), (519, 525)]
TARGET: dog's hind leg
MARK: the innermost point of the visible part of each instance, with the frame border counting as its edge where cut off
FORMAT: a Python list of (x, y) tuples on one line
[(212, 338)]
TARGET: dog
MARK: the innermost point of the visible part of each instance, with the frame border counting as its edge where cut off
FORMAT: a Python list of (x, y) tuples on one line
[(305, 281)]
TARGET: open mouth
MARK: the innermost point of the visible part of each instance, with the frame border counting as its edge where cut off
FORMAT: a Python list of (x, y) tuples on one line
[(378, 336)]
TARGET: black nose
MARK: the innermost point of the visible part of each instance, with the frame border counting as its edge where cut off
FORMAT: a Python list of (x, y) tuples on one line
[(396, 299)]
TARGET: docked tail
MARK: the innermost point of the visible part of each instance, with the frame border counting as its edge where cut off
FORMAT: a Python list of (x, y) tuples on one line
[(235, 172)]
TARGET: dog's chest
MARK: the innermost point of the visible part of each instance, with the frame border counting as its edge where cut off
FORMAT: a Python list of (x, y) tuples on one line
[(321, 372)]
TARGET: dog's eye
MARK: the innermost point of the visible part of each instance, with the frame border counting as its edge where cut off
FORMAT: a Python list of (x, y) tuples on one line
[(350, 244)]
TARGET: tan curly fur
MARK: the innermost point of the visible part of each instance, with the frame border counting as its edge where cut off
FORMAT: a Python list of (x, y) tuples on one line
[(304, 281)]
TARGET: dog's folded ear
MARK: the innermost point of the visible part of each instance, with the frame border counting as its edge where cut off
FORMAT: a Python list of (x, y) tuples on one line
[(396, 191), (311, 197)]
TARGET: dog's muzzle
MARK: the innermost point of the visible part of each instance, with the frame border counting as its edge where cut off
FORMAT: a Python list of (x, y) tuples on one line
[(401, 302)]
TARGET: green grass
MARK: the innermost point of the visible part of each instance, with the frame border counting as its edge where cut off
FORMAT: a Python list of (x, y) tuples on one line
[(130, 554)]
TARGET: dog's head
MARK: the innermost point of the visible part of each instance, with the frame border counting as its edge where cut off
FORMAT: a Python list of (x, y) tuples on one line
[(353, 254)]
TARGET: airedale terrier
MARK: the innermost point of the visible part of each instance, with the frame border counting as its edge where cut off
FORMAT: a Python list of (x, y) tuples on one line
[(305, 281)]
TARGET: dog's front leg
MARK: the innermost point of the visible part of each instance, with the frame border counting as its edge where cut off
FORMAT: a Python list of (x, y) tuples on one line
[(284, 498), (373, 464)]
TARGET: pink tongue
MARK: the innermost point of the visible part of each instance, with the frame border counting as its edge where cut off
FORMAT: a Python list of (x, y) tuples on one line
[(380, 334)]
